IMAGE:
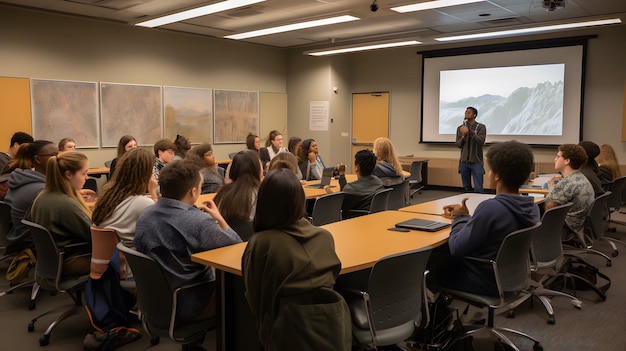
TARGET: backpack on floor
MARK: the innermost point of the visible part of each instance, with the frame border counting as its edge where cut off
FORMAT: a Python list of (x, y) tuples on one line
[(578, 274)]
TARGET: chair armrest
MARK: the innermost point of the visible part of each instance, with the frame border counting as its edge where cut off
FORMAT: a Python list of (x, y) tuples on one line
[(74, 246), (175, 301), (493, 265)]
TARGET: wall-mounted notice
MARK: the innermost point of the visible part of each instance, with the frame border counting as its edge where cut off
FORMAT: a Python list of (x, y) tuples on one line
[(318, 115)]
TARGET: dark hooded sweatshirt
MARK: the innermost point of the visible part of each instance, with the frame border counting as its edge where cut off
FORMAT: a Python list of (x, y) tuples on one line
[(480, 236), (24, 186)]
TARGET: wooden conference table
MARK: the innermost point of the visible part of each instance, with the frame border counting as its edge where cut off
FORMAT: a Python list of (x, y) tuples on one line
[(359, 243), (435, 207)]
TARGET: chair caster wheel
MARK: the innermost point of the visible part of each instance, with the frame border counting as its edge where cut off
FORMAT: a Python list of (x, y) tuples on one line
[(537, 347), (32, 304), (551, 320), (155, 341), (609, 263), (615, 253), (44, 340), (31, 327), (510, 314)]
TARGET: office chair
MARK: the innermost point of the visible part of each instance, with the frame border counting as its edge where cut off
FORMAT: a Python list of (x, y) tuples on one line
[(614, 204), (107, 164), (415, 180), (327, 209), (5, 226), (594, 230), (547, 260), (399, 197), (91, 183), (512, 275), (387, 311), (48, 273), (157, 302), (232, 154), (380, 201)]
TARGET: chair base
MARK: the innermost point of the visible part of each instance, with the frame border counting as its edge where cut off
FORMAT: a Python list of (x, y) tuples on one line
[(573, 251), (68, 310), (544, 296)]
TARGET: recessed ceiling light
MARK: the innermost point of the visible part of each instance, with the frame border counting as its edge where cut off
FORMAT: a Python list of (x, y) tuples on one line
[(292, 27), (531, 30), (363, 47), (197, 12), (429, 5)]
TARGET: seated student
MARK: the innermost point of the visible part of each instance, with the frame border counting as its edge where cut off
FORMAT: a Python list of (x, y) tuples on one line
[(22, 160), (126, 143), (174, 228), (573, 187), (123, 198), (286, 160), (183, 145), (360, 192), (274, 144), (388, 167), (253, 142), (288, 259), (590, 168), (237, 199), (67, 144), (212, 174), (24, 186), (481, 234), (607, 162), (17, 139), (60, 208), (311, 164), (164, 151)]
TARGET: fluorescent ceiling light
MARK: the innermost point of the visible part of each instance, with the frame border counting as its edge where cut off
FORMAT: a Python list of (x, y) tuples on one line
[(197, 12), (291, 27), (363, 48), (429, 5), (532, 30)]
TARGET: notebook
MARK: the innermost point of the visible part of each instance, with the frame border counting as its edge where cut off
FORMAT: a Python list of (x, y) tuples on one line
[(423, 225), (327, 175)]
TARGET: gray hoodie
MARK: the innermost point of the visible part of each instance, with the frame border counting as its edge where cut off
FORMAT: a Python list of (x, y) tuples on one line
[(24, 186)]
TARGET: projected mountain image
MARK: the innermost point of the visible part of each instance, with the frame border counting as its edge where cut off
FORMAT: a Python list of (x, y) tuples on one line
[(526, 111)]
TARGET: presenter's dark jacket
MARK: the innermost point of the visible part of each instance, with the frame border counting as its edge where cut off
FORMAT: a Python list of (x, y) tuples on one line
[(472, 145)]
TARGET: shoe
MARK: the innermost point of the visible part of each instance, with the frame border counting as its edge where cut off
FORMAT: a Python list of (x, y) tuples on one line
[(112, 340)]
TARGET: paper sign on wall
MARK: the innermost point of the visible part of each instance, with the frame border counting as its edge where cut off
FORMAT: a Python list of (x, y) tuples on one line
[(318, 115)]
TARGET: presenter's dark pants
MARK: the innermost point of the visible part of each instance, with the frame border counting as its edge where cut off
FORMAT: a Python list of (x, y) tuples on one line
[(472, 170)]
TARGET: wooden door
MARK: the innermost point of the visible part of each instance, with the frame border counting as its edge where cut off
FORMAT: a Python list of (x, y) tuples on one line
[(370, 120)]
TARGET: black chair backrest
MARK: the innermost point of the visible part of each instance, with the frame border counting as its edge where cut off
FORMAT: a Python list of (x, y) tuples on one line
[(380, 200), (108, 163), (154, 296), (92, 184), (596, 215), (327, 208), (397, 297), (416, 171), (513, 260), (5, 222), (615, 200), (49, 258), (242, 227), (547, 244), (399, 196)]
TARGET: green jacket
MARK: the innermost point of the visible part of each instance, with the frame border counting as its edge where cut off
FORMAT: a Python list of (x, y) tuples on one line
[(284, 271)]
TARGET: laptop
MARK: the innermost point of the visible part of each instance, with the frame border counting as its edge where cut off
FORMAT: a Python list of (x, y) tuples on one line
[(423, 225), (327, 175)]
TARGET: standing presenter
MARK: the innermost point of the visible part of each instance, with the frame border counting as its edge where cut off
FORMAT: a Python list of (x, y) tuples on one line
[(470, 138)]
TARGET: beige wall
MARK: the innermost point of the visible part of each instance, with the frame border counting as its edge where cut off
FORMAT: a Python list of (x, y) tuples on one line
[(37, 45)]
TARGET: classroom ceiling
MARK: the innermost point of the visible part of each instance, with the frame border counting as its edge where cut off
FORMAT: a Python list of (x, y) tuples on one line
[(381, 25)]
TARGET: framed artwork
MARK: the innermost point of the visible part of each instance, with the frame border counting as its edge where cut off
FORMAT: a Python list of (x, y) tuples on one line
[(236, 114), (131, 109), (65, 109), (188, 112)]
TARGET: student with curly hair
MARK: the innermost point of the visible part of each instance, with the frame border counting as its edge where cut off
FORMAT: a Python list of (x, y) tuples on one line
[(481, 234)]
